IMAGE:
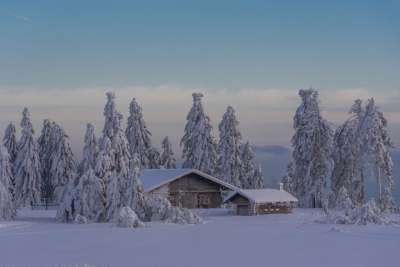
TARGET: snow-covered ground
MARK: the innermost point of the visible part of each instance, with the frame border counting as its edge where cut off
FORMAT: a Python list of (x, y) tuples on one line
[(35, 239)]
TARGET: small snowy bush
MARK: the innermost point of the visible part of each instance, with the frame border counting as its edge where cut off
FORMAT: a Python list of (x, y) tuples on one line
[(369, 213), (162, 210), (79, 219), (127, 218)]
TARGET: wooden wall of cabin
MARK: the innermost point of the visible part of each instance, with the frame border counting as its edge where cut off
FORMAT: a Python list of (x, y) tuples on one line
[(192, 191), (268, 208), (242, 205)]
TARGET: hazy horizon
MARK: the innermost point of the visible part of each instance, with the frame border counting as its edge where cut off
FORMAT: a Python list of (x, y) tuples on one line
[(265, 115)]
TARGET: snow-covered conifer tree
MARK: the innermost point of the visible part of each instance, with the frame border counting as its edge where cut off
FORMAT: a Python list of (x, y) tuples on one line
[(57, 162), (167, 159), (112, 164), (26, 167), (89, 196), (362, 147), (251, 175), (258, 179), (348, 156), (229, 161), (113, 152), (199, 146), (46, 152), (109, 113), (119, 179), (104, 162), (377, 145), (288, 179), (89, 150), (120, 146), (7, 207), (86, 196), (63, 166), (343, 200), (10, 141), (312, 143), (154, 158), (139, 137), (136, 198)]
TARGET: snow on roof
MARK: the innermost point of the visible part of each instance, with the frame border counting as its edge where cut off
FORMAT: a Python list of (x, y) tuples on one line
[(264, 195), (154, 178)]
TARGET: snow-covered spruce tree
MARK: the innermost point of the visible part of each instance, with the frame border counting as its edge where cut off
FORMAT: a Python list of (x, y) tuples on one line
[(258, 179), (139, 137), (63, 168), (229, 163), (199, 146), (154, 158), (7, 207), (90, 191), (89, 150), (112, 164), (311, 157), (85, 195), (252, 177), (104, 161), (343, 200), (377, 143), (362, 147), (136, 199), (288, 180), (58, 166), (167, 159), (348, 156), (89, 196), (109, 113), (119, 179), (26, 167), (113, 155), (46, 148), (10, 141), (125, 190)]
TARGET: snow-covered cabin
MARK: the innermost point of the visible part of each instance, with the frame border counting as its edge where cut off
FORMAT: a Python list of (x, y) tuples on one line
[(261, 201), (187, 188)]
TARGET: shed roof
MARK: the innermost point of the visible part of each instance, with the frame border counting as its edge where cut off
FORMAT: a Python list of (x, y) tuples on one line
[(263, 195), (155, 178)]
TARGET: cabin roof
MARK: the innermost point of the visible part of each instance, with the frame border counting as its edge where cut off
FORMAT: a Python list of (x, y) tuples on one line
[(155, 178), (263, 195)]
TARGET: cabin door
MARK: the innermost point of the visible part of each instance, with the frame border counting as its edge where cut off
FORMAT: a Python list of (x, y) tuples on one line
[(203, 201), (242, 210)]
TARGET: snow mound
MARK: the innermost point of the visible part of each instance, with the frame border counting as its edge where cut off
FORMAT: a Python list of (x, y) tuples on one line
[(162, 210), (127, 218), (79, 219), (369, 213), (335, 229)]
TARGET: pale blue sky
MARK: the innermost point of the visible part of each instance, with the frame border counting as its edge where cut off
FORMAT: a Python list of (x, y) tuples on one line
[(218, 44)]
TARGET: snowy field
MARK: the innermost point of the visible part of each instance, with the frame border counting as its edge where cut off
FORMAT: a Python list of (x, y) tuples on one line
[(36, 240)]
